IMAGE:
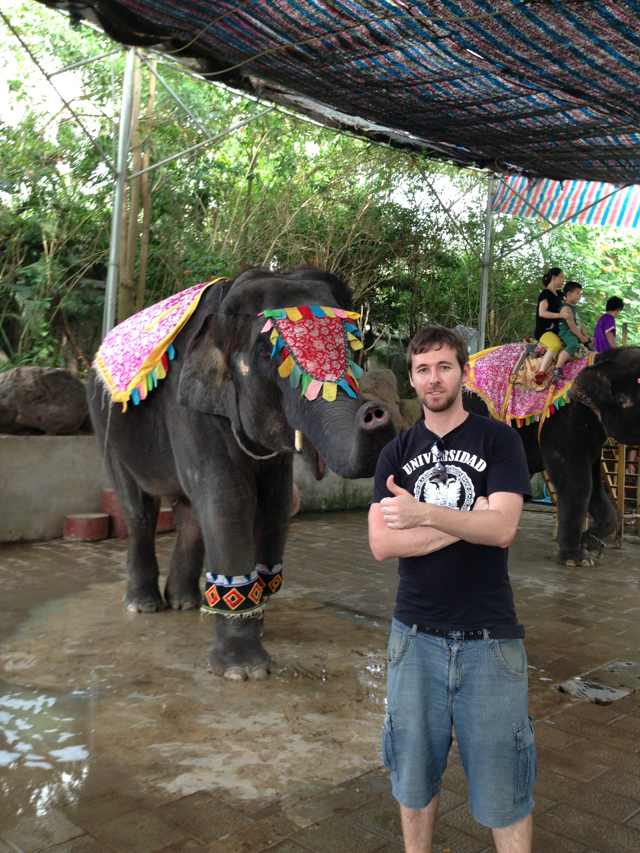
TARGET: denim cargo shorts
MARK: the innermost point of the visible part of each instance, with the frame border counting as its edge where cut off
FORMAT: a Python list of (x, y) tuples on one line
[(478, 689)]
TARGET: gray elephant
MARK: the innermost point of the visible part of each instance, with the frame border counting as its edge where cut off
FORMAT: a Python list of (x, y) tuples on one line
[(217, 437), (605, 401)]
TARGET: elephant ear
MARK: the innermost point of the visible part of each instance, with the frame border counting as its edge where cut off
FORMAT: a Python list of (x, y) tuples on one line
[(593, 387), (205, 384)]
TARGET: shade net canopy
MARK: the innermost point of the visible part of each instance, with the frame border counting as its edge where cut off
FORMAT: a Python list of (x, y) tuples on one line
[(541, 87), (576, 202)]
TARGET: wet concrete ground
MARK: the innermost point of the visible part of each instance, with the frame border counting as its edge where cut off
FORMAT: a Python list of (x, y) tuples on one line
[(114, 737)]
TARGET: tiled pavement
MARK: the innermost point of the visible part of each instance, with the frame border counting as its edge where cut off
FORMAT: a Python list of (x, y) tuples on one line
[(588, 790)]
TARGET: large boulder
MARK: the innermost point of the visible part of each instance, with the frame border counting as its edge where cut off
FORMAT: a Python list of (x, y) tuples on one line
[(411, 411), (381, 384), (42, 400)]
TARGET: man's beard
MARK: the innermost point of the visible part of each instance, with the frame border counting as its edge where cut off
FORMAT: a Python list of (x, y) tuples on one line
[(443, 404)]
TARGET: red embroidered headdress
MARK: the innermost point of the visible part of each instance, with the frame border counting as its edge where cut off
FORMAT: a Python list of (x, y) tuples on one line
[(312, 346)]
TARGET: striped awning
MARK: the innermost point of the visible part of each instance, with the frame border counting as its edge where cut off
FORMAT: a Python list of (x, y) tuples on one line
[(578, 202), (538, 87)]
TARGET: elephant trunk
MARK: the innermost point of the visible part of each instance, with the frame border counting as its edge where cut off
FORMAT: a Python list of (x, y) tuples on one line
[(349, 434)]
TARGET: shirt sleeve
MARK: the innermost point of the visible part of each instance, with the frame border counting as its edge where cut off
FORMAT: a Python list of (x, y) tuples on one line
[(387, 464), (609, 326), (507, 470)]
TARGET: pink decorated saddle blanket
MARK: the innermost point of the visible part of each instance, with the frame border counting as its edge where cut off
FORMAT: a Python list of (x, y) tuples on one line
[(504, 378), (135, 355)]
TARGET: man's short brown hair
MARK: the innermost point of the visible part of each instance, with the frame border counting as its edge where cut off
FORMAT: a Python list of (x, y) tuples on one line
[(434, 337)]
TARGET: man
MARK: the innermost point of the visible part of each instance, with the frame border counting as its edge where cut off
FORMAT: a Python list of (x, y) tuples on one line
[(448, 498)]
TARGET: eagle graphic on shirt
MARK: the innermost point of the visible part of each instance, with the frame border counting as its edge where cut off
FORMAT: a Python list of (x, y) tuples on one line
[(456, 493)]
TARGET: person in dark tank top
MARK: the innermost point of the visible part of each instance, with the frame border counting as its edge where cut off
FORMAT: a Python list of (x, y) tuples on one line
[(548, 316)]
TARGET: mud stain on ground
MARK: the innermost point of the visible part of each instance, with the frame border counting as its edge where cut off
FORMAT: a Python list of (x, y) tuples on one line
[(133, 692)]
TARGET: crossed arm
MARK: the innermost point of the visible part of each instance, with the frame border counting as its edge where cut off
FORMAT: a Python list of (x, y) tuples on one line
[(401, 526)]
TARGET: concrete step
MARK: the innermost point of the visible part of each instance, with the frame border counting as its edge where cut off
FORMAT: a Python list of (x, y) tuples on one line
[(166, 521), (86, 527), (109, 502), (119, 530)]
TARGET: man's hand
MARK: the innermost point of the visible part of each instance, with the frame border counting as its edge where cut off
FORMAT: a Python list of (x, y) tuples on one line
[(403, 510), (481, 503)]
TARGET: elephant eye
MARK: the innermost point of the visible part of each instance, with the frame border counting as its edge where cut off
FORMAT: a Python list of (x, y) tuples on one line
[(264, 351), (624, 401)]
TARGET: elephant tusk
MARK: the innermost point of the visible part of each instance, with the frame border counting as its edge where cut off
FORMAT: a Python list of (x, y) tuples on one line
[(298, 441)]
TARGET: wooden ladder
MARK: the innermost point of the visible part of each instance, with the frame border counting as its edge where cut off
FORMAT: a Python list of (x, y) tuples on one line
[(620, 474)]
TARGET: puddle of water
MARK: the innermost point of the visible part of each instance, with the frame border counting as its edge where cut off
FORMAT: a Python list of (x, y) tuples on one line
[(289, 672), (45, 747), (594, 691), (372, 676), (354, 616)]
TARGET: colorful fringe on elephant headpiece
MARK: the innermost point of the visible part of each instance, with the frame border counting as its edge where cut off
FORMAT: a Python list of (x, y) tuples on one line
[(311, 344)]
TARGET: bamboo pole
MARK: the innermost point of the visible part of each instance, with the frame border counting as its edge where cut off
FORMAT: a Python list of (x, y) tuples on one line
[(113, 267), (145, 193), (620, 475), (487, 259), (126, 293)]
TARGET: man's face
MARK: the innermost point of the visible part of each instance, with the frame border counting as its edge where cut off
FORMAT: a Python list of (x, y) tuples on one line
[(573, 297), (437, 378)]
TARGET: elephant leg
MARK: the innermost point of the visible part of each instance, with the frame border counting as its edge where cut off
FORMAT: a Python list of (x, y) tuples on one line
[(233, 591), (573, 490), (182, 590), (141, 514), (603, 513), (237, 652), (275, 493)]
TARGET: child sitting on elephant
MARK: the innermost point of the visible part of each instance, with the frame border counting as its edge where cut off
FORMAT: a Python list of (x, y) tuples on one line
[(573, 336)]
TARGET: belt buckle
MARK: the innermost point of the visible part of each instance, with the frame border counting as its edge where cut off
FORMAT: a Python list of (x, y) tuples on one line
[(478, 634)]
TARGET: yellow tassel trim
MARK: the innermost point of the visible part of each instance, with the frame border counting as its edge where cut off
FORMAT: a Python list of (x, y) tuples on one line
[(286, 367), (329, 391)]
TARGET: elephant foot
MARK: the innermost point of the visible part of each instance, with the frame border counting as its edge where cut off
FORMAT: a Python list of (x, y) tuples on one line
[(577, 560), (143, 602), (237, 652), (592, 543), (183, 599)]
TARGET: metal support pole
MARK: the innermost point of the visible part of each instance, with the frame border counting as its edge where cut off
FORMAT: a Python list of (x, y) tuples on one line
[(209, 141), (487, 259), (83, 62), (194, 118), (113, 268)]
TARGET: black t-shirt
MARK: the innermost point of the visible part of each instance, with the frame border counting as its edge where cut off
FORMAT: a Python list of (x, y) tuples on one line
[(554, 304), (463, 586)]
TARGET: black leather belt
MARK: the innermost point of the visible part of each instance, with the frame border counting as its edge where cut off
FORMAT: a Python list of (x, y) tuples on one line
[(506, 632)]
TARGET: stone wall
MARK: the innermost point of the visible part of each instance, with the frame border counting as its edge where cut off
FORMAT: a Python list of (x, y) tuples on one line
[(45, 477)]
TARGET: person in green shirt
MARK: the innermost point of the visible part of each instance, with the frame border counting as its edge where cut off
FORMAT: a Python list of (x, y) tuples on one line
[(570, 333)]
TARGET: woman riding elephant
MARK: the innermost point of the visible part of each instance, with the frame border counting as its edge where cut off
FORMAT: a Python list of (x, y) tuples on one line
[(548, 316)]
